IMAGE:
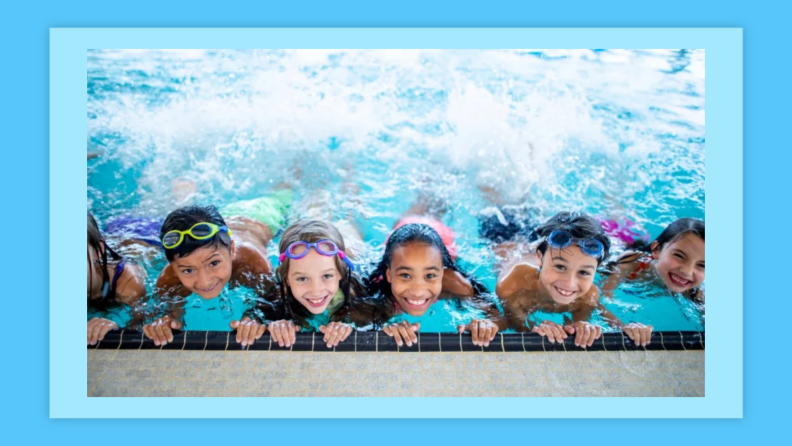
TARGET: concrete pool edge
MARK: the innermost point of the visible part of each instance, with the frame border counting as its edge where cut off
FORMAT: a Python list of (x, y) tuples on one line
[(379, 342)]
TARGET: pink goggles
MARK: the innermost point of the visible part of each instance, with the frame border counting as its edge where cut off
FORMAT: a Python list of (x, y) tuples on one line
[(298, 250)]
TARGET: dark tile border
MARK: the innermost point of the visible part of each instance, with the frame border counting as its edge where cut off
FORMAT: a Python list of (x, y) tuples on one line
[(380, 342)]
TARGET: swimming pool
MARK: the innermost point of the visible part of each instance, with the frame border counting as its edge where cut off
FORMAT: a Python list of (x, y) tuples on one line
[(606, 132)]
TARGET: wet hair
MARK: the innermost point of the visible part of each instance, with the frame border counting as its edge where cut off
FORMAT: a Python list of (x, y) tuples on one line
[(97, 242), (311, 231), (675, 231), (578, 225), (185, 218), (377, 282)]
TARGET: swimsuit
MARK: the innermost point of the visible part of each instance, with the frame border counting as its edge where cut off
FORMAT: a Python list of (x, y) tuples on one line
[(506, 223), (270, 210), (624, 231), (136, 228)]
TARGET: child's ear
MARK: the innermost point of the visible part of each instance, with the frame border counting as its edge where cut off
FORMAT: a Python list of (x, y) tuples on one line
[(655, 248), (539, 258), (233, 250), (388, 276)]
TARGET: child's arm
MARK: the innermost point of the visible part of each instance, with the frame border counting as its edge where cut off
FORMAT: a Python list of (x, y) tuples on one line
[(170, 288), (131, 288), (483, 331), (618, 270)]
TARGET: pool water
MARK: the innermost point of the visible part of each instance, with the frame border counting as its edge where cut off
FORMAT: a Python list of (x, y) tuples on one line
[(608, 132)]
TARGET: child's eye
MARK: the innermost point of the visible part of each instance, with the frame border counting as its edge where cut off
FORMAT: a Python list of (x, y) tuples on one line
[(302, 279), (701, 266), (404, 276), (679, 256), (187, 271), (560, 267), (214, 263), (584, 273), (431, 276), (328, 276)]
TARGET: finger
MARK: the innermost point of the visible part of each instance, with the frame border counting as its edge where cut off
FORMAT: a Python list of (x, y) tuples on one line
[(176, 325), (147, 331), (592, 335), (347, 330), (90, 325), (275, 333), (596, 335), (550, 333), (293, 334), (234, 325), (332, 337), (322, 329), (327, 332), (474, 332), (487, 334), (649, 334), (569, 329), (254, 329), (495, 330), (95, 330), (387, 330), (260, 332), (159, 333), (397, 335), (247, 336), (105, 328), (416, 327), (411, 333), (403, 331)]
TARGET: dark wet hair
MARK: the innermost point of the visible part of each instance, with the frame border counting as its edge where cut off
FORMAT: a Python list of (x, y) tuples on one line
[(674, 231), (186, 217), (311, 231), (97, 242), (377, 282), (579, 225)]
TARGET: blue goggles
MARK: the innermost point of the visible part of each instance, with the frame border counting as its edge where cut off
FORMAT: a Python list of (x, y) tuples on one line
[(589, 246)]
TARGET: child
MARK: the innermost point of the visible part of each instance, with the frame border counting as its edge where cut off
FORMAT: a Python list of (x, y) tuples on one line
[(111, 283), (557, 277), (206, 252), (675, 258), (416, 270), (318, 285)]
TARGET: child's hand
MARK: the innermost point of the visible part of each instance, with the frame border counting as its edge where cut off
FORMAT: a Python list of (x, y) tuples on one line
[(248, 330), (640, 334), (554, 332), (284, 332), (160, 330), (98, 328), (335, 332), (482, 330), (403, 330), (585, 333)]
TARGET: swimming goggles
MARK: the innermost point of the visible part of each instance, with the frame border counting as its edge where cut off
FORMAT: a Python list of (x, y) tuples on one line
[(589, 246), (298, 250), (199, 231)]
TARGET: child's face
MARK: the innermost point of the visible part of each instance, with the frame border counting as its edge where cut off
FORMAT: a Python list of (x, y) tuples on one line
[(416, 277), (681, 264), (314, 280), (207, 270), (566, 274)]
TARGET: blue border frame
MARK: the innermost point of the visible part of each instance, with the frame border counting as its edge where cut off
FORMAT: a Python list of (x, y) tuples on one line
[(724, 205)]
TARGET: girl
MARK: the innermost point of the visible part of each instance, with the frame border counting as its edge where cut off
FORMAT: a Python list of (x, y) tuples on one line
[(205, 252), (111, 283), (416, 271), (557, 277), (318, 285), (675, 259)]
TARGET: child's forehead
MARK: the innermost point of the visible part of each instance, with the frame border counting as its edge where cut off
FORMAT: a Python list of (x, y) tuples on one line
[(201, 254), (417, 252), (312, 260), (571, 254), (689, 242)]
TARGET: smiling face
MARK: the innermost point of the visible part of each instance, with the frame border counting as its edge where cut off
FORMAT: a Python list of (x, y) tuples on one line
[(681, 264), (206, 270), (416, 277), (314, 280), (566, 274)]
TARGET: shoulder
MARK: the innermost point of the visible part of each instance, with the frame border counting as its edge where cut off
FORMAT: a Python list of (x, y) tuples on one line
[(521, 276), (131, 283)]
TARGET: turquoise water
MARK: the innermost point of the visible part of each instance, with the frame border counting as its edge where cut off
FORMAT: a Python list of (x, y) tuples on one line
[(612, 133)]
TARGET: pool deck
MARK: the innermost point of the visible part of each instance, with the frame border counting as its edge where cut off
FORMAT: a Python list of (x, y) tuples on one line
[(250, 373)]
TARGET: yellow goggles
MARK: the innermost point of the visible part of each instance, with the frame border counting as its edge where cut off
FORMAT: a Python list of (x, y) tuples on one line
[(199, 231)]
